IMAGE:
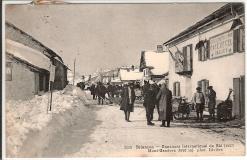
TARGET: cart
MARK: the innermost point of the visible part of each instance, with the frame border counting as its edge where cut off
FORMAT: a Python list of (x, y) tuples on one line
[(181, 108)]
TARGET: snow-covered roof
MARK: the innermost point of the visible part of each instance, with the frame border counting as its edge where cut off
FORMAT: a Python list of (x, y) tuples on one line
[(158, 62), (116, 80), (27, 54), (130, 75)]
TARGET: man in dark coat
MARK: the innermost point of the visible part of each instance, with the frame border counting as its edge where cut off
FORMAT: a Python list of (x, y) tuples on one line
[(110, 90), (165, 105), (149, 103), (92, 90), (127, 100), (101, 90), (145, 87), (156, 90), (211, 102)]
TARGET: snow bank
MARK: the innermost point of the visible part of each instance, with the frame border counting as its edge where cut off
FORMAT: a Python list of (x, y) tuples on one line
[(31, 115)]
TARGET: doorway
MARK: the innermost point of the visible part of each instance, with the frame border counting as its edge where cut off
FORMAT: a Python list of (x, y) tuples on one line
[(239, 97)]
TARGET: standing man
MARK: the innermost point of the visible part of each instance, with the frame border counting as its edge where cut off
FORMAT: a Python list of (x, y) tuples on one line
[(110, 92), (149, 104), (165, 105), (199, 102), (157, 89), (101, 89), (92, 89), (145, 87), (211, 102), (127, 100)]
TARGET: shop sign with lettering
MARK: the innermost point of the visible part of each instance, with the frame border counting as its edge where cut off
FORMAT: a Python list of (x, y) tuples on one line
[(221, 45)]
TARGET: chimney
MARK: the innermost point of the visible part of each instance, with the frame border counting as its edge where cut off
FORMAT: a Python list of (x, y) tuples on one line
[(159, 48)]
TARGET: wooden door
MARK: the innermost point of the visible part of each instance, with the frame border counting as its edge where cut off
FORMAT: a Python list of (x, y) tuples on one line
[(36, 84), (239, 97), (236, 97), (242, 96)]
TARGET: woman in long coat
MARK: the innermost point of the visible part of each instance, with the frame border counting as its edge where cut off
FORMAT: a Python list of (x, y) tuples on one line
[(165, 105), (127, 100)]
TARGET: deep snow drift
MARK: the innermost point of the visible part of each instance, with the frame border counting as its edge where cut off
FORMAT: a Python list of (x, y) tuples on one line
[(32, 115)]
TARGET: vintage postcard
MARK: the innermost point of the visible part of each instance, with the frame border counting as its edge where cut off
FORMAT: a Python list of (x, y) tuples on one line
[(123, 79)]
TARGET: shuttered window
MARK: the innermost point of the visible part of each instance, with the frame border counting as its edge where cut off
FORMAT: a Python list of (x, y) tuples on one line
[(187, 54), (239, 40), (203, 51), (204, 87), (176, 88)]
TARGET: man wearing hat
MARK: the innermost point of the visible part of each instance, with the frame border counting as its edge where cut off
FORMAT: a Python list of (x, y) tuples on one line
[(199, 102), (211, 102), (127, 100), (149, 103)]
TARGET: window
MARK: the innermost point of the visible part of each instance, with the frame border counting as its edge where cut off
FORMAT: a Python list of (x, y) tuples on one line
[(203, 50), (204, 87), (8, 71), (187, 54), (146, 72), (183, 64), (239, 40), (176, 88)]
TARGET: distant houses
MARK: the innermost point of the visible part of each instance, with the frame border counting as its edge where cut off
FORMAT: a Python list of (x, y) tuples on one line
[(117, 76), (154, 64), (130, 74), (28, 65)]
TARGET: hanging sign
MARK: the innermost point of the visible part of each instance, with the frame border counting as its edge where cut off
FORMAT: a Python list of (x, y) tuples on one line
[(52, 73), (179, 62), (221, 45)]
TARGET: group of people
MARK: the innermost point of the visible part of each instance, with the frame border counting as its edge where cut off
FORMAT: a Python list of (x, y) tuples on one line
[(161, 97), (199, 102), (99, 91), (154, 96)]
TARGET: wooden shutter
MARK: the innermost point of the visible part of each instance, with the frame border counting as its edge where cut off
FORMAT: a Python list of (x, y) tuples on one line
[(185, 58), (236, 97), (199, 54), (189, 58), (178, 88), (206, 86), (203, 85), (235, 40), (242, 96), (174, 88), (36, 83), (199, 84), (207, 45), (241, 40)]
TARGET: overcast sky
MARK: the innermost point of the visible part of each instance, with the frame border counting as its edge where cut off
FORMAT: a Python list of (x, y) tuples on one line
[(105, 35)]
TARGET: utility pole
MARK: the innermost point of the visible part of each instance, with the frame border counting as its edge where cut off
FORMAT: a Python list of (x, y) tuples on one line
[(74, 72)]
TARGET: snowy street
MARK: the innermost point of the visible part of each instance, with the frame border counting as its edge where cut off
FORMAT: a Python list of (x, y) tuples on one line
[(86, 80), (100, 130)]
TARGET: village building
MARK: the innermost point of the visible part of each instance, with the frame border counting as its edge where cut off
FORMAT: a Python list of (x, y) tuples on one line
[(109, 75), (154, 64), (28, 66), (211, 53), (130, 74)]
